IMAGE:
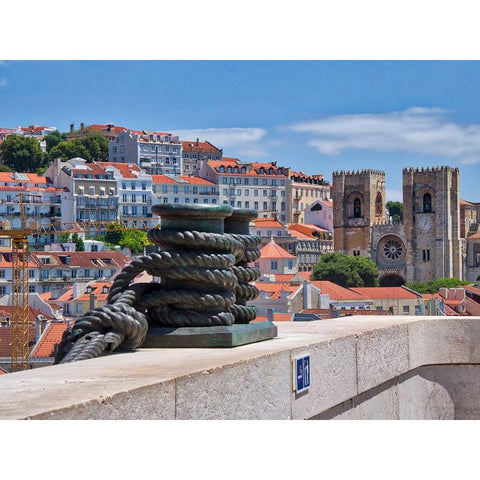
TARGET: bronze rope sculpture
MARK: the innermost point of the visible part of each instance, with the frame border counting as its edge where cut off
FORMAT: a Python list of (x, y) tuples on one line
[(203, 266)]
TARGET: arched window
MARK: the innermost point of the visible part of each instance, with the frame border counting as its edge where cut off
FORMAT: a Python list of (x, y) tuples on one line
[(378, 204), (357, 209), (427, 203)]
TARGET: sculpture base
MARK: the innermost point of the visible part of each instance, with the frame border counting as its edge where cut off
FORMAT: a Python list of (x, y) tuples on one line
[(209, 337)]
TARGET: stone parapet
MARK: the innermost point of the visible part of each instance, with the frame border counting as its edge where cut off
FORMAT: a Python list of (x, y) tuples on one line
[(361, 367)]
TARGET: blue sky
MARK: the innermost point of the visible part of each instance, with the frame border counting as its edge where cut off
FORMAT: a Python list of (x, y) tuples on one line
[(314, 116)]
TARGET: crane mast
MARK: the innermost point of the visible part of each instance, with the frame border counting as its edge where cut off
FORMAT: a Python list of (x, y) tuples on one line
[(20, 274)]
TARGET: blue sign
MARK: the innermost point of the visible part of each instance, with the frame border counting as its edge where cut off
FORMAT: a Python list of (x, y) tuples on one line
[(302, 373)]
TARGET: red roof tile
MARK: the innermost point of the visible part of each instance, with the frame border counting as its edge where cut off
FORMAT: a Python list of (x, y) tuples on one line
[(276, 289), (50, 337), (189, 146), (6, 339), (125, 169), (336, 292), (272, 250), (390, 293)]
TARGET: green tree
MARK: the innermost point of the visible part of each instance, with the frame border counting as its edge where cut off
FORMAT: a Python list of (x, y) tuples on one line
[(54, 138), (97, 147), (22, 154), (134, 240), (346, 270), (396, 210), (113, 235), (4, 168), (79, 245), (64, 238), (69, 149), (433, 286)]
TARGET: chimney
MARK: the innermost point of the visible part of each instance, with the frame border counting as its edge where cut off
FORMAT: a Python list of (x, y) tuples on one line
[(269, 314), (307, 294), (92, 301), (71, 127), (82, 126), (197, 142)]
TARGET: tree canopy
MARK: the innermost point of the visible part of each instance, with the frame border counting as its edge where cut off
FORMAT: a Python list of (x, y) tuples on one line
[(91, 148), (54, 138), (134, 240), (346, 270), (22, 154), (433, 286), (396, 210)]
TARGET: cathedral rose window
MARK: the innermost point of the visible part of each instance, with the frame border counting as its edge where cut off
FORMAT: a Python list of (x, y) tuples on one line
[(392, 249)]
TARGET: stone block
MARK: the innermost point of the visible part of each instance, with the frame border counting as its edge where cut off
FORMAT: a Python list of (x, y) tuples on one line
[(382, 354), (444, 341), (379, 403), (257, 389), (422, 398), (333, 377), (155, 402)]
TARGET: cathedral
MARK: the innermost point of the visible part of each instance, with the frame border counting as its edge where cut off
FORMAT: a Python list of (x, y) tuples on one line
[(427, 245)]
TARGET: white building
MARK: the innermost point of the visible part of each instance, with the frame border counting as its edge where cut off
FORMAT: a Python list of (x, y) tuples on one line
[(157, 152), (194, 190), (259, 186), (320, 213)]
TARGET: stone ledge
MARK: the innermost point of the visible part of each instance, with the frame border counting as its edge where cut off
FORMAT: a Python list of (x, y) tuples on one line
[(348, 356)]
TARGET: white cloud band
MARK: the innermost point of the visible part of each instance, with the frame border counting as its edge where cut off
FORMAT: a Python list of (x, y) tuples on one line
[(415, 130)]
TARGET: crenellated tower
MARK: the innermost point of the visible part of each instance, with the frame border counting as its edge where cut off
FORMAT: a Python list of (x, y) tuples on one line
[(431, 206), (358, 204)]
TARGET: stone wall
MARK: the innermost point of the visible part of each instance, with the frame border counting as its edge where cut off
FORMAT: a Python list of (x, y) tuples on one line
[(368, 367)]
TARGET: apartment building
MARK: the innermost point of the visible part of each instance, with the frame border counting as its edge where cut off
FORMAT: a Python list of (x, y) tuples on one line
[(93, 194), (135, 193), (305, 190), (259, 186), (193, 153), (182, 189), (51, 271), (158, 153)]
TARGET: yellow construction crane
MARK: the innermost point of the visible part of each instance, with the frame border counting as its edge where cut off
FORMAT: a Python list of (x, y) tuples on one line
[(20, 325), (20, 272)]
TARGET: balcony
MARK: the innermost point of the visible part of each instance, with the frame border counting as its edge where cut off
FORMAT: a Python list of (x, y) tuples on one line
[(382, 367)]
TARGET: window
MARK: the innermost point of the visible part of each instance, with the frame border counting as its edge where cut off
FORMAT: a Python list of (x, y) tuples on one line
[(224, 180), (265, 205), (175, 200), (175, 189), (245, 180), (144, 186), (426, 255), (2, 273), (274, 265), (247, 204), (255, 205), (31, 288), (265, 193), (406, 309), (3, 290), (264, 181), (239, 204), (357, 210), (31, 273), (239, 191), (427, 203), (91, 190), (164, 188), (269, 233), (290, 264), (187, 200), (255, 181)]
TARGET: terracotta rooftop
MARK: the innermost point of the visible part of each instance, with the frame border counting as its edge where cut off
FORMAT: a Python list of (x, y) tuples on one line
[(277, 289), (125, 169), (6, 339), (385, 293), (277, 317), (196, 146), (181, 180), (268, 223), (272, 250), (51, 336), (337, 292)]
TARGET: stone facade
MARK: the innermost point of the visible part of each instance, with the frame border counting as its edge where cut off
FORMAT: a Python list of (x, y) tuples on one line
[(426, 246)]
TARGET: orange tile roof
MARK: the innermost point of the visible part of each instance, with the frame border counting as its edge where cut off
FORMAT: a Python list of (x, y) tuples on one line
[(97, 290), (272, 250), (268, 223), (125, 169), (277, 317), (189, 146), (336, 292), (6, 339), (306, 229), (181, 180), (105, 128), (9, 177), (51, 336), (381, 293), (276, 289), (297, 234)]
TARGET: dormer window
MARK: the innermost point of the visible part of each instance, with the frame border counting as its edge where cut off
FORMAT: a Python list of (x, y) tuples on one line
[(89, 289)]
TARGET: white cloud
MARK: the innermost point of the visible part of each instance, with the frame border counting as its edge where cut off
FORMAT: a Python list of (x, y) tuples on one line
[(234, 141), (3, 82), (415, 130)]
